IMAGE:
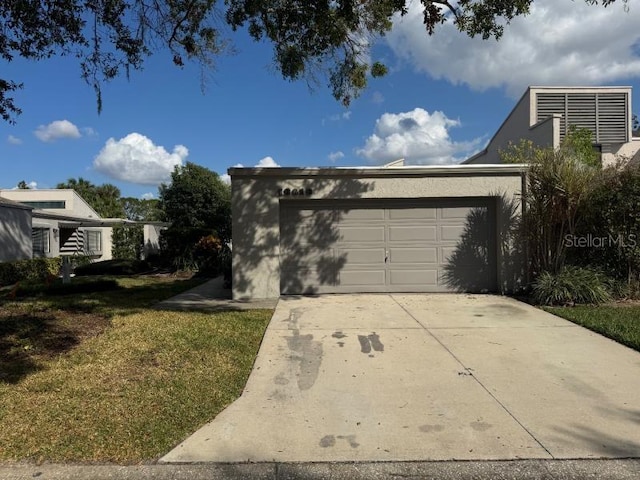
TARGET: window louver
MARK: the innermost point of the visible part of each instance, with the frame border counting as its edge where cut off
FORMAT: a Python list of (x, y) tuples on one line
[(612, 118), (605, 114)]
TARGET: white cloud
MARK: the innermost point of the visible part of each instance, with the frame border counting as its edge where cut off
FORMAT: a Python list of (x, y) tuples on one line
[(418, 137), (334, 156), (136, 159), (14, 140), (57, 129), (558, 43), (148, 196), (266, 162)]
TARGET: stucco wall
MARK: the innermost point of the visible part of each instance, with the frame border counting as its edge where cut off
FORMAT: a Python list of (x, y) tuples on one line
[(151, 235), (256, 212), (515, 127), (15, 233), (629, 151)]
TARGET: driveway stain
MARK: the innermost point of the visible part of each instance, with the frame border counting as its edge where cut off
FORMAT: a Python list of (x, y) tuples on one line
[(368, 342), (365, 344), (480, 426), (278, 395), (330, 440), (338, 334), (281, 380), (431, 428), (308, 354), (351, 439), (507, 310), (327, 441), (377, 345)]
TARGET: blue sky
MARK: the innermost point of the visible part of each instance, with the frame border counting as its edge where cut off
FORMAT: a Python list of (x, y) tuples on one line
[(452, 91)]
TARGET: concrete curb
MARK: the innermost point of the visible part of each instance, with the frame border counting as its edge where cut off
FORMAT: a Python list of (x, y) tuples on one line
[(623, 469)]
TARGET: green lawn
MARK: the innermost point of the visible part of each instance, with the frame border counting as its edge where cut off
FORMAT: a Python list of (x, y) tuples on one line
[(618, 322), (101, 377)]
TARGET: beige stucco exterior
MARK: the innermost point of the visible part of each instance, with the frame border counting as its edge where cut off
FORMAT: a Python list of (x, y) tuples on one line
[(257, 196), (522, 124)]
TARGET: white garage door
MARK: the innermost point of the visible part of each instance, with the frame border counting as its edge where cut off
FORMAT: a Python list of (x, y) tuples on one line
[(431, 245)]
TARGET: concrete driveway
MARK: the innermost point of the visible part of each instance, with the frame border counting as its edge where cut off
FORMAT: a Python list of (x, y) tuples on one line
[(426, 377)]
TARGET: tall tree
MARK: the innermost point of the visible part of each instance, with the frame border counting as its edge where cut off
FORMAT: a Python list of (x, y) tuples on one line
[(140, 209), (197, 203), (325, 38)]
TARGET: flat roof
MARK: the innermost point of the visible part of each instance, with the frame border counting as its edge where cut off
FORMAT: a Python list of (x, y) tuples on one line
[(377, 171)]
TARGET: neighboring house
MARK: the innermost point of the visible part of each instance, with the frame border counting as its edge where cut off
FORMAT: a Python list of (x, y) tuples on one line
[(15, 230), (544, 115), (62, 223)]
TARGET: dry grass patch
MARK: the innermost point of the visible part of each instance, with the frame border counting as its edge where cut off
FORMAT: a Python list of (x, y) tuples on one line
[(132, 392)]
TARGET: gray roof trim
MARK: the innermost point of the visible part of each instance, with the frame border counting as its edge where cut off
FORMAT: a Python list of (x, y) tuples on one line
[(5, 202), (73, 221), (409, 171)]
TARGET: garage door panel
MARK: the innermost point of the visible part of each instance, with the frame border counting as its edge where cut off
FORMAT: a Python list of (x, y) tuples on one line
[(413, 214), (451, 233), (354, 278), (413, 255), (355, 215), (362, 256), (426, 277), (459, 213), (361, 234), (412, 233), (466, 280)]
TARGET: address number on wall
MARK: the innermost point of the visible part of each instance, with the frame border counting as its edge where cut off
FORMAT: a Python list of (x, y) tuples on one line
[(295, 192)]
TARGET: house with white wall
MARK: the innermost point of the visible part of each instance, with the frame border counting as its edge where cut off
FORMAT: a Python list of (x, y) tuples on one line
[(62, 223), (544, 115)]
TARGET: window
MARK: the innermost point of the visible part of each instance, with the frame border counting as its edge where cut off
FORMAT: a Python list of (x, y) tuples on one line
[(53, 204), (40, 238), (94, 240)]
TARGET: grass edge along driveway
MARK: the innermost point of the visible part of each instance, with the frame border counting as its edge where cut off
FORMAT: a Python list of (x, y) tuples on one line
[(132, 392), (619, 322)]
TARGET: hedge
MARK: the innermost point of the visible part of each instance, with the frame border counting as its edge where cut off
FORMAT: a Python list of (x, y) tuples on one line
[(34, 269)]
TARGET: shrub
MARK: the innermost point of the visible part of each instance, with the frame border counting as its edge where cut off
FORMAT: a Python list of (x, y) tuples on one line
[(612, 215), (572, 285), (113, 267), (207, 254), (33, 269)]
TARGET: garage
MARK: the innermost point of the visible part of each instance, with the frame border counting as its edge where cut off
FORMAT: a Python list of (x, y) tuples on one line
[(387, 245), (396, 228)]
